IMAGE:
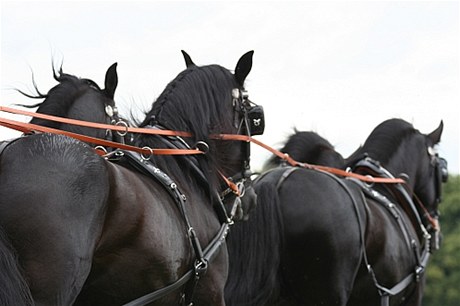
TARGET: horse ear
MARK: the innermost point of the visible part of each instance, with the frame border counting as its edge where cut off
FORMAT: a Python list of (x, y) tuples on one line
[(435, 136), (111, 81), (188, 59), (243, 67), (57, 73)]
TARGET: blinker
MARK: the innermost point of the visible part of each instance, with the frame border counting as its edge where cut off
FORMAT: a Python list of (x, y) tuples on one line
[(253, 114), (256, 120), (443, 169)]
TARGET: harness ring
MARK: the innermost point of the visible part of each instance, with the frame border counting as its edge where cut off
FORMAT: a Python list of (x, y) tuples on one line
[(122, 123), (101, 148), (372, 181), (241, 189), (144, 158), (202, 146)]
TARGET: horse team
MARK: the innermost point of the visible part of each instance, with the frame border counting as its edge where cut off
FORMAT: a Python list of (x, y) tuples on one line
[(123, 227)]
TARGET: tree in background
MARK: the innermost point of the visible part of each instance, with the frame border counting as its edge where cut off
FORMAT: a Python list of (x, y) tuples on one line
[(443, 271)]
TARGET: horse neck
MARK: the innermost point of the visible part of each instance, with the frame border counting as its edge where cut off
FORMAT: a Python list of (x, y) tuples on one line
[(74, 99), (405, 163), (199, 101)]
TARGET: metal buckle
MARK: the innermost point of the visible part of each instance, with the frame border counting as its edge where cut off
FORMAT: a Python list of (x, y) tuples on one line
[(418, 272), (201, 266)]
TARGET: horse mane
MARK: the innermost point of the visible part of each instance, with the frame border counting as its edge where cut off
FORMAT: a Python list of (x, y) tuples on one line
[(59, 99), (382, 143), (185, 106), (199, 101), (254, 248), (308, 147)]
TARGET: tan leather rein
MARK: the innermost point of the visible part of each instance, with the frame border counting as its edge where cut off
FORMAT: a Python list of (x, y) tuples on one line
[(28, 127)]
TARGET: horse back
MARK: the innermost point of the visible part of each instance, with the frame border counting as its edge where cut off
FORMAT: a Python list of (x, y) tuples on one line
[(323, 219)]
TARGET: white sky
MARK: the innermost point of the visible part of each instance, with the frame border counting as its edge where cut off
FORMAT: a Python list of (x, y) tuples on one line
[(338, 68)]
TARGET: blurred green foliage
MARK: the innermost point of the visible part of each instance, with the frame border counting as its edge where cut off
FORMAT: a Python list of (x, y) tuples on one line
[(443, 271)]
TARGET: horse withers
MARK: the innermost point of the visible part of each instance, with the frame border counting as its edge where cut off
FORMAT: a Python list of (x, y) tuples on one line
[(88, 231)]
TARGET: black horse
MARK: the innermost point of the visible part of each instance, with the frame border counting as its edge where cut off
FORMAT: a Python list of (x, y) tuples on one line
[(95, 232), (74, 98), (302, 146), (316, 239), (81, 99)]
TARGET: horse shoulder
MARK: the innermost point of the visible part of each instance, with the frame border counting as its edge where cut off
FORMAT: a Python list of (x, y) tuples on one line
[(139, 200), (142, 230)]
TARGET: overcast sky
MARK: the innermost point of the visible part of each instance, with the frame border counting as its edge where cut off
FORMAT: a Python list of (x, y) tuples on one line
[(337, 68)]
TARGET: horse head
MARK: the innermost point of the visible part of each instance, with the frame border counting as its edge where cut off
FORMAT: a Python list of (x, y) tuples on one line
[(211, 102), (81, 99), (407, 153), (432, 173)]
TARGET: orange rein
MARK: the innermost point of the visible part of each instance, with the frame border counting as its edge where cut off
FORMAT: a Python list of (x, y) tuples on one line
[(28, 127)]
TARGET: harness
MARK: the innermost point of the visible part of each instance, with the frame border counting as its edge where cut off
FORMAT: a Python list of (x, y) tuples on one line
[(421, 256), (203, 256), (252, 122)]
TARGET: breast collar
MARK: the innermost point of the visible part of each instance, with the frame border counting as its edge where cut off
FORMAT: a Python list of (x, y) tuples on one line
[(369, 166)]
